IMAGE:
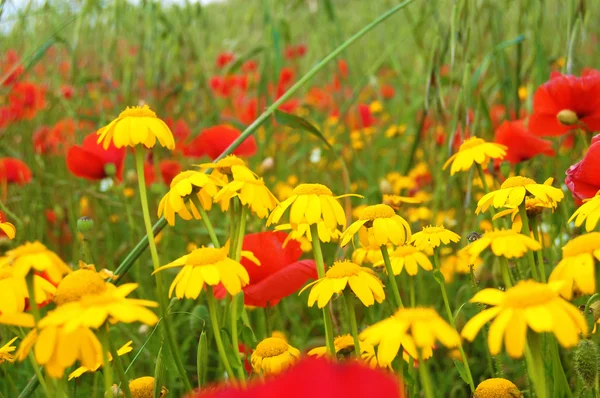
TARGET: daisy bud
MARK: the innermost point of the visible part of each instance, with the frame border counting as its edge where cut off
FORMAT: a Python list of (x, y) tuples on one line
[(386, 187), (586, 362), (85, 225), (131, 177), (567, 117)]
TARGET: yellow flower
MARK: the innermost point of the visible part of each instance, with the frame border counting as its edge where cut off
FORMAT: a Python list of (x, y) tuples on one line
[(6, 350), (366, 255), (82, 369), (7, 228), (497, 388), (523, 93), (344, 346), (77, 284), (375, 107), (421, 213), (533, 206), (273, 355), (396, 201), (251, 191), (129, 192), (211, 266), (361, 280), (433, 236), (513, 191), (136, 125), (400, 182), (409, 258), (222, 168), (527, 304), (35, 255), (474, 150), (378, 225), (143, 387), (179, 198), (504, 242), (461, 262), (395, 130), (13, 290), (303, 234), (577, 267), (415, 329), (589, 212)]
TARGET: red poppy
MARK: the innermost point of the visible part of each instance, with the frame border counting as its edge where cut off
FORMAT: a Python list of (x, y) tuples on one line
[(214, 140), (224, 59), (11, 70), (26, 99), (583, 178), (249, 66), (67, 91), (566, 102), (316, 378), (168, 170), (387, 91), (91, 160), (181, 130), (522, 145), (14, 171), (343, 68)]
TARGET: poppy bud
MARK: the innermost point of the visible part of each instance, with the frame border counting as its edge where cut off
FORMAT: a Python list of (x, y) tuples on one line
[(110, 169), (567, 117), (85, 225), (586, 362)]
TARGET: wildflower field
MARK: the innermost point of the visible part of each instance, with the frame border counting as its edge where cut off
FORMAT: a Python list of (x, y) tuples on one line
[(299, 198)]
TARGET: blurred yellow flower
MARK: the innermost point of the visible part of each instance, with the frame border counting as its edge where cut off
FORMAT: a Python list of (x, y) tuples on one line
[(523, 93), (395, 201), (474, 150), (527, 304), (6, 350), (504, 242), (421, 213), (7, 228), (407, 257), (365, 255), (513, 192), (589, 212), (13, 290), (273, 355), (433, 236), (35, 255), (533, 206), (377, 226), (82, 369), (395, 130), (129, 192), (344, 345), (221, 169), (375, 107), (497, 388)]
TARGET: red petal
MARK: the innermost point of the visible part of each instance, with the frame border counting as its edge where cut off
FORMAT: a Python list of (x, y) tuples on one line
[(14, 171), (268, 248), (522, 145), (168, 170), (214, 140), (85, 164)]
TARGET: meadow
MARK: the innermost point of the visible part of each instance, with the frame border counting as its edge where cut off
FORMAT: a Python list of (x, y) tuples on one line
[(324, 198)]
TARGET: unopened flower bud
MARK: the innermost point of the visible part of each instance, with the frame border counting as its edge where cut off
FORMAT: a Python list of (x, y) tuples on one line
[(385, 187), (567, 117), (110, 169), (267, 164), (85, 225), (585, 359)]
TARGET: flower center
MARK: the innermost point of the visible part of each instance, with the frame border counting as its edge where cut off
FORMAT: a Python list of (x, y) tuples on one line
[(567, 117), (343, 341), (517, 181), (377, 211), (528, 294), (205, 256), (433, 229), (582, 244), (471, 143), (312, 189), (137, 111), (341, 269), (497, 387), (271, 347), (77, 284)]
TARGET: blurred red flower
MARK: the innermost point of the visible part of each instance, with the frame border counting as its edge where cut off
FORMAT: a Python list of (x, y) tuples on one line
[(583, 178), (214, 140), (26, 99), (343, 68), (566, 102), (90, 160), (316, 378), (12, 68), (224, 58), (522, 145), (168, 170), (14, 171), (181, 130), (387, 91)]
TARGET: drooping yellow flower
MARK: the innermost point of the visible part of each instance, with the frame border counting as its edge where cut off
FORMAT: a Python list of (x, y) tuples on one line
[(6, 351), (179, 198), (273, 355), (514, 190), (361, 280), (77, 284), (504, 242), (533, 206), (577, 267), (13, 290), (378, 225), (497, 388), (474, 150), (136, 125), (433, 236), (82, 369), (35, 255), (221, 169), (409, 258), (143, 387), (344, 346), (527, 304), (250, 189), (589, 212), (7, 228), (211, 266), (366, 255), (415, 329)]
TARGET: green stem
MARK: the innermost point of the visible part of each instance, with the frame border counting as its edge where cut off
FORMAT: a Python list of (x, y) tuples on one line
[(391, 277), (214, 321), (240, 234), (527, 232), (535, 364), (29, 279), (119, 368), (235, 304), (425, 378), (106, 368), (139, 163), (318, 254), (505, 272), (353, 325), (540, 257), (411, 287), (206, 221), (85, 248)]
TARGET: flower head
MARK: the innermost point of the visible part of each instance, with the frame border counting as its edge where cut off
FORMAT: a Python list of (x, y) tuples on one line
[(505, 243), (361, 280), (497, 388), (474, 150), (92, 161), (528, 304), (7, 228), (433, 236), (589, 212), (143, 387), (344, 345), (214, 140), (36, 256), (273, 355), (221, 169), (409, 258), (520, 143), (368, 255), (378, 225), (14, 171), (583, 179), (14, 293), (6, 351), (136, 125), (396, 201), (77, 284), (533, 207)]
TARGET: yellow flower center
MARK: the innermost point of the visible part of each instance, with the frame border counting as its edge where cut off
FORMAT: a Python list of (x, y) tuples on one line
[(433, 229), (377, 211), (206, 256), (142, 387), (271, 347), (341, 269), (582, 244), (471, 143), (343, 341), (496, 388), (137, 111), (528, 294), (517, 181), (312, 189), (77, 284)]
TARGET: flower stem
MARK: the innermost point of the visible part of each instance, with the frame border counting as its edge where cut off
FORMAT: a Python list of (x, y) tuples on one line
[(535, 227), (353, 325), (235, 305), (411, 286), (139, 163), (29, 279), (318, 254), (206, 221), (425, 378), (216, 331), (535, 363), (505, 272), (526, 231), (106, 368), (119, 368), (485, 188), (391, 277)]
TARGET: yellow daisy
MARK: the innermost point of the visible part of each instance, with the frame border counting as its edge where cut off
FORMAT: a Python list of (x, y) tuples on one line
[(377, 226), (211, 266), (136, 125), (527, 304), (396, 201), (13, 290), (273, 355), (461, 262), (221, 169), (504, 242), (589, 212), (251, 191), (366, 255), (179, 198), (6, 351), (82, 369), (533, 206), (433, 236), (514, 190), (344, 346), (577, 267), (302, 233), (79, 283), (35, 255), (143, 387), (361, 280), (497, 388), (474, 150), (7, 228), (415, 329), (409, 258)]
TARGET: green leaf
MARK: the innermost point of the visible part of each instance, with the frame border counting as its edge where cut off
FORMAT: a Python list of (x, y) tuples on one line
[(202, 359), (248, 336), (234, 359), (159, 372), (439, 277), (461, 370), (200, 318), (488, 58), (297, 122)]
